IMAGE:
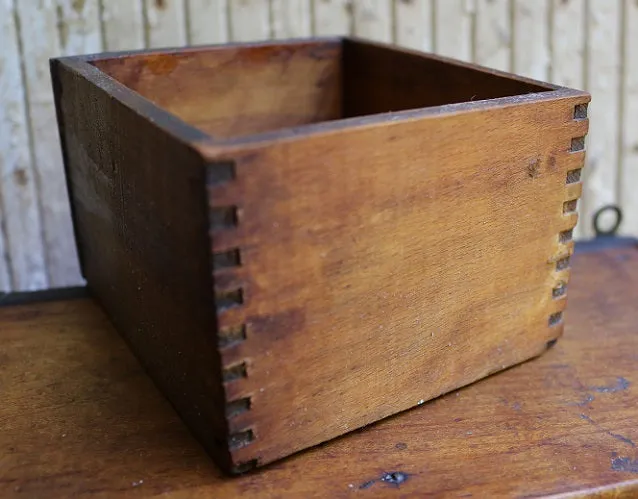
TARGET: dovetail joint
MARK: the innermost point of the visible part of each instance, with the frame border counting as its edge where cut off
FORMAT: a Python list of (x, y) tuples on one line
[(569, 207), (225, 264)]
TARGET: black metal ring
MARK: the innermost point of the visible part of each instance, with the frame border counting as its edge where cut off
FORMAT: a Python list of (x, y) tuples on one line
[(614, 228)]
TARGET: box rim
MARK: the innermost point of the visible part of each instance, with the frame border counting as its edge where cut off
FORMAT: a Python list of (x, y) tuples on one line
[(208, 143)]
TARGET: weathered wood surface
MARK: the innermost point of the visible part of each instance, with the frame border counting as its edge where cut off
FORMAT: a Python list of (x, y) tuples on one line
[(81, 419), (378, 288), (581, 44)]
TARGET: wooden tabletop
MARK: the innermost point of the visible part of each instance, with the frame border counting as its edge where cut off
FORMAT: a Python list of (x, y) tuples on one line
[(80, 418)]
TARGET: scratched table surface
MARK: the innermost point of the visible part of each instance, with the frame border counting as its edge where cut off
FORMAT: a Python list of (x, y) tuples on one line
[(79, 418)]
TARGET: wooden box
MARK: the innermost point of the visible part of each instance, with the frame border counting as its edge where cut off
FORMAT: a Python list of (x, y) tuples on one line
[(298, 239)]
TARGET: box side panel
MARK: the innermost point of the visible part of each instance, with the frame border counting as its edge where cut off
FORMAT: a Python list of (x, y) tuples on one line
[(383, 266), (380, 79), (140, 213), (239, 90)]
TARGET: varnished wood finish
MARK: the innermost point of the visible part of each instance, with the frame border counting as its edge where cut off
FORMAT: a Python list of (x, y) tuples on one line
[(359, 266), (81, 419)]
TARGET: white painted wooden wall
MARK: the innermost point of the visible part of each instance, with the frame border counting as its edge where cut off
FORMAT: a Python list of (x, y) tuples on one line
[(590, 44)]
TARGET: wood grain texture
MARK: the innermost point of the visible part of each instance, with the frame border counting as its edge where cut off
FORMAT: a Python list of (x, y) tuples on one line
[(119, 162), (414, 24), (314, 258), (256, 89), (85, 421), (22, 262)]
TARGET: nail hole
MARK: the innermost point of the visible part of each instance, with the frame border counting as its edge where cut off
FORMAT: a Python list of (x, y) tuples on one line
[(556, 318), (235, 372), (223, 217), (231, 335), (241, 439), (580, 111), (220, 173), (573, 176), (566, 236), (229, 299), (237, 407), (227, 259), (578, 144), (570, 206), (562, 264)]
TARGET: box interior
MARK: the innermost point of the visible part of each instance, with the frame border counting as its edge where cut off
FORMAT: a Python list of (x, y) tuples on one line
[(241, 90)]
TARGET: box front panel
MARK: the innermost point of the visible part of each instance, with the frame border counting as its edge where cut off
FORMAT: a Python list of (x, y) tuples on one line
[(362, 272)]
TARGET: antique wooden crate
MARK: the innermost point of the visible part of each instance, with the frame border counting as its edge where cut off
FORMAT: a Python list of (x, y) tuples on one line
[(298, 239)]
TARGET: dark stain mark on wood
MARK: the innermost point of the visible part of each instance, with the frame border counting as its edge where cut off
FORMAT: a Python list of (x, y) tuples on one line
[(392, 478), (611, 434), (624, 464), (401, 446), (20, 176), (533, 169), (586, 401), (620, 385)]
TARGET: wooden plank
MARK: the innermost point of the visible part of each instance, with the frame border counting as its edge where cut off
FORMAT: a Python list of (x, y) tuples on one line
[(373, 19), (291, 18), (249, 20), (629, 160), (453, 28), (207, 21), (603, 80), (332, 17), (165, 23), (79, 26), (493, 34), (58, 27), (19, 216), (122, 24), (568, 47), (561, 425), (531, 38), (413, 20)]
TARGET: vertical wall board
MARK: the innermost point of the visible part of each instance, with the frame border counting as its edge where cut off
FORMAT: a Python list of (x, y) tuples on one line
[(291, 18), (413, 24), (249, 20), (122, 24), (207, 21), (454, 28), (22, 235), (373, 19), (531, 38), (628, 178), (493, 35), (603, 80), (332, 17), (165, 23)]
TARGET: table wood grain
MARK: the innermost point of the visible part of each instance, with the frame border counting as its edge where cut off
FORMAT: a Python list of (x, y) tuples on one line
[(79, 418)]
